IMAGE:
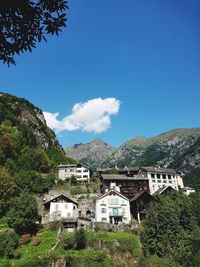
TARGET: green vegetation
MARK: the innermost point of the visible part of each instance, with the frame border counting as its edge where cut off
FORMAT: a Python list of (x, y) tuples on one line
[(28, 255), (171, 229)]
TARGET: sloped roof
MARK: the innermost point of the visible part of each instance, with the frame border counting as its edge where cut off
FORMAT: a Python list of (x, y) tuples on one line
[(140, 194), (158, 170), (61, 195), (112, 190), (122, 177), (163, 189)]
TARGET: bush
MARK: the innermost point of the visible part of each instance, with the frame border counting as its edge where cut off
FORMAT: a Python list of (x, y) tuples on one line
[(9, 241), (25, 239), (68, 241), (76, 190), (80, 239), (55, 225), (36, 241)]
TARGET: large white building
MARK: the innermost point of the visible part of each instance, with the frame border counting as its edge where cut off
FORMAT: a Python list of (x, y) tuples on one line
[(80, 171), (161, 177), (112, 207)]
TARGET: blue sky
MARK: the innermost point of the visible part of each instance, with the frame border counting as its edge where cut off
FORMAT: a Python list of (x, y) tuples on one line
[(143, 53)]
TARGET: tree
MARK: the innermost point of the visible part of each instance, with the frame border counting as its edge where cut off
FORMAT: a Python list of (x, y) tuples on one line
[(168, 226), (26, 22), (9, 241), (7, 190), (23, 214), (80, 239)]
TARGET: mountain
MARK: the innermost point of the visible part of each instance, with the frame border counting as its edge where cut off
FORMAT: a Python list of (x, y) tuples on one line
[(92, 154), (26, 142), (178, 148)]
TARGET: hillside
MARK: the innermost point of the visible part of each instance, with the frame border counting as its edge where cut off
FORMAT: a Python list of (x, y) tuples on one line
[(29, 149), (178, 148), (92, 154)]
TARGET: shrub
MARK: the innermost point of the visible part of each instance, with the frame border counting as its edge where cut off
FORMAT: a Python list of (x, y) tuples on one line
[(68, 241), (80, 239), (9, 241), (55, 225), (25, 239), (36, 241), (76, 190)]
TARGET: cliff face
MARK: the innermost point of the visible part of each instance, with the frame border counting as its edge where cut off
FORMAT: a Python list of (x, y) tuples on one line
[(92, 154), (179, 149), (19, 113)]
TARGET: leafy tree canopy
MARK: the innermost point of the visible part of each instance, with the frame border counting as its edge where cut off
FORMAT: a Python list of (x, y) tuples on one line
[(23, 214), (26, 22)]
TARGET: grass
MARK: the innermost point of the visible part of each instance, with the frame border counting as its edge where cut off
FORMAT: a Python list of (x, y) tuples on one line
[(29, 252), (104, 249)]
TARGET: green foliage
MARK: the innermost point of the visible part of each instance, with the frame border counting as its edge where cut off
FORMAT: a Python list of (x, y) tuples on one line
[(23, 214), (31, 181), (195, 203), (193, 179), (168, 228), (25, 31), (77, 190), (80, 239), (9, 241), (68, 240), (7, 190)]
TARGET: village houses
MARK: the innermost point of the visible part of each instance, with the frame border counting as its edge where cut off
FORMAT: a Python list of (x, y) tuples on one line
[(125, 194)]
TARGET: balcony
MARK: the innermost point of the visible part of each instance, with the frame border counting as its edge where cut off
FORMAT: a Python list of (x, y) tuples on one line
[(116, 214)]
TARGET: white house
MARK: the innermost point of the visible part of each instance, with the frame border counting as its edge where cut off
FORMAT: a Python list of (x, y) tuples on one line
[(62, 208), (80, 171), (113, 207), (161, 177)]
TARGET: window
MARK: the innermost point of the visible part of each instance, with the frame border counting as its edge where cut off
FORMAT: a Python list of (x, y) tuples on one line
[(114, 201), (85, 176), (103, 210), (170, 182), (74, 207), (152, 175), (169, 177), (164, 181), (164, 176), (158, 176), (71, 170), (153, 181), (159, 181), (66, 206)]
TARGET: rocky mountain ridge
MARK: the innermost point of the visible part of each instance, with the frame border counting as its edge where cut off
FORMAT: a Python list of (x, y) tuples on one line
[(178, 148)]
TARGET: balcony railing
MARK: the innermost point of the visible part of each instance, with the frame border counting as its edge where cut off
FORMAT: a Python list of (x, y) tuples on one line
[(116, 214)]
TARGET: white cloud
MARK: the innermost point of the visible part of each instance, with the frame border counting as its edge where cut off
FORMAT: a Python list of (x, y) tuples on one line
[(92, 116)]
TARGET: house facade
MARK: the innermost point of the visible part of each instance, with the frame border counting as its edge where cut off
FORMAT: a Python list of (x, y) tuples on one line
[(128, 186), (80, 171), (112, 207), (161, 177), (62, 208)]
